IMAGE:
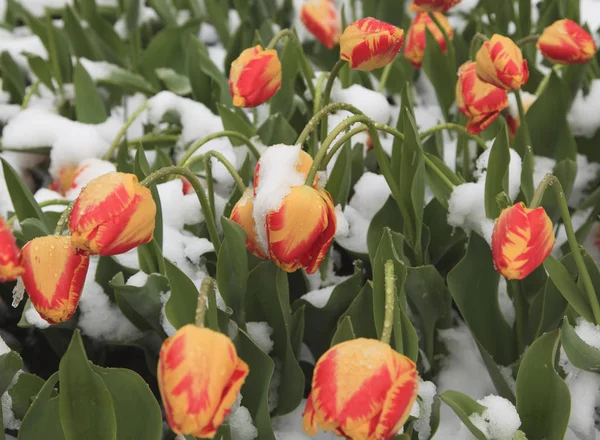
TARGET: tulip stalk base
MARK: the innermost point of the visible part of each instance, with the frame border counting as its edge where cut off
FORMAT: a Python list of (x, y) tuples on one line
[(390, 299), (552, 181)]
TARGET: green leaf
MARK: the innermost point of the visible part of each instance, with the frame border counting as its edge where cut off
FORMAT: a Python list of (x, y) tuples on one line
[(496, 180), (345, 332), (438, 186), (438, 68), (361, 313), (88, 102), (236, 121), (406, 106), (387, 217), (128, 81), (173, 81), (200, 66), (21, 197), (340, 179), (58, 53), (132, 13), (10, 363), (498, 378), (81, 41), (33, 228), (180, 308), (42, 420), (142, 170), (23, 392), (13, 80), (277, 130), (475, 275), (543, 399), (41, 68), (219, 19), (464, 406), (580, 354), (527, 174), (137, 412), (283, 101), (165, 10), (86, 406)]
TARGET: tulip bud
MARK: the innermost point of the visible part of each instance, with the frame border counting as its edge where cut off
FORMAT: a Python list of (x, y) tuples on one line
[(500, 62), (414, 49), (435, 5), (242, 215), (323, 20), (10, 266), (369, 44), (255, 76), (53, 275), (565, 42), (521, 241), (362, 390), (481, 102), (199, 377), (112, 215)]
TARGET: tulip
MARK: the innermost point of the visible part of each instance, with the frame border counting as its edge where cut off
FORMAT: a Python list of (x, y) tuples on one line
[(362, 390), (270, 163), (521, 241), (199, 377), (10, 266), (414, 49), (65, 179), (434, 5), (255, 76), (500, 62), (53, 275), (369, 44), (242, 215), (565, 42), (112, 215), (481, 102), (322, 19), (301, 230)]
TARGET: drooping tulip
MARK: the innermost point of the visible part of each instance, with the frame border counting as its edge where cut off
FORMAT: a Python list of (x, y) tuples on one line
[(53, 275), (521, 241), (500, 62), (10, 266), (565, 42), (479, 101), (323, 20), (242, 215), (362, 389), (369, 44), (435, 5), (199, 377), (255, 76), (112, 215), (414, 49)]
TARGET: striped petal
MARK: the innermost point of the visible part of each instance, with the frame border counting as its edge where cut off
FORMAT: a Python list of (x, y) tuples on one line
[(500, 62), (323, 20), (565, 42), (53, 276), (255, 76), (10, 265), (414, 49), (242, 215)]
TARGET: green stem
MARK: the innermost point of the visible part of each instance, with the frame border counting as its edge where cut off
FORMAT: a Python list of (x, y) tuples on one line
[(523, 119), (546, 80), (210, 190), (206, 289), (314, 144), (209, 154), (477, 37), (552, 181), (314, 121), (123, 130), (527, 40), (449, 43), (154, 139), (63, 221), (199, 189), (14, 218), (327, 93), (32, 89), (455, 127), (384, 77), (227, 133), (390, 296), (520, 314)]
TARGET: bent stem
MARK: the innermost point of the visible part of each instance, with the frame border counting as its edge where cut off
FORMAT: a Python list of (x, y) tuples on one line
[(384, 77), (228, 165), (552, 181), (390, 296), (226, 133), (198, 188), (456, 127), (123, 130), (522, 118), (153, 139), (477, 37), (206, 289), (527, 40), (314, 121), (327, 93), (32, 89)]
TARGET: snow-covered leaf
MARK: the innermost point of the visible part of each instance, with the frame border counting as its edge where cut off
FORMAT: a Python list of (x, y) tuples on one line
[(580, 354)]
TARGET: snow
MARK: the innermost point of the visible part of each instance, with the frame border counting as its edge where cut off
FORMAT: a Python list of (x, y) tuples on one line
[(138, 279), (178, 209), (164, 321), (542, 165), (506, 305), (8, 416), (577, 219), (33, 317), (289, 427), (260, 333), (37, 7), (45, 195), (3, 347), (319, 298), (371, 103), (242, 428), (583, 116), (499, 421), (88, 170), (146, 15), (16, 44), (586, 173), (427, 394)]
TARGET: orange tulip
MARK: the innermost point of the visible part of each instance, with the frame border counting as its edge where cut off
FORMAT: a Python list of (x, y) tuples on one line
[(112, 215), (199, 377), (435, 5), (242, 215), (323, 20), (303, 166), (10, 266), (414, 49), (362, 390), (521, 241), (369, 44), (300, 232), (255, 76), (53, 275), (500, 62), (565, 42), (481, 102)]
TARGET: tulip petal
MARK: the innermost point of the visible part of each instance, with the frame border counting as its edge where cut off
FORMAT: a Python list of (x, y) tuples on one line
[(309, 422), (500, 62), (323, 20), (10, 266), (565, 42), (242, 215)]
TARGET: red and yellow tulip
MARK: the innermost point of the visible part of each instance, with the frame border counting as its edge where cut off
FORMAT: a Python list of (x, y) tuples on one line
[(112, 215), (481, 102), (500, 62), (565, 42), (414, 49), (255, 76), (521, 241), (199, 377), (369, 44), (362, 390), (434, 5), (10, 266), (242, 215), (53, 275), (322, 19)]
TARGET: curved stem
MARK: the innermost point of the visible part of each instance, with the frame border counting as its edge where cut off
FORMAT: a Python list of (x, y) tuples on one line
[(32, 89), (318, 91), (123, 130), (523, 119), (226, 133), (64, 219), (210, 154), (154, 138), (552, 181), (210, 189), (390, 297), (449, 43), (202, 198), (206, 289), (314, 121), (477, 37), (527, 40), (327, 93), (340, 143), (455, 127), (384, 77)]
